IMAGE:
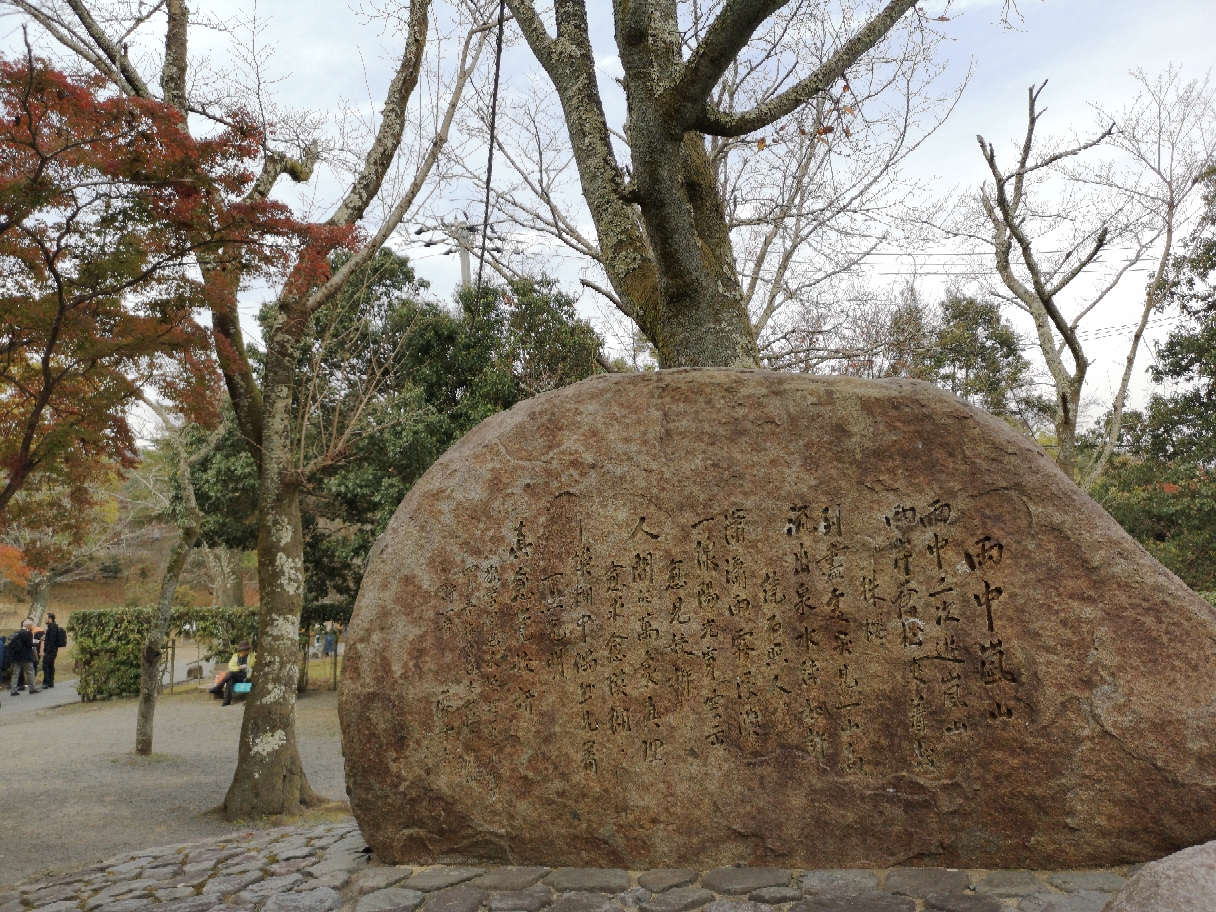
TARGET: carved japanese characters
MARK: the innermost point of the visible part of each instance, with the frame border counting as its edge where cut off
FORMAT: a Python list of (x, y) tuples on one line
[(710, 617)]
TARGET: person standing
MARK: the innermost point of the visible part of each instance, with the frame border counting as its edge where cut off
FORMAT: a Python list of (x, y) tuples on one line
[(54, 638), (22, 645)]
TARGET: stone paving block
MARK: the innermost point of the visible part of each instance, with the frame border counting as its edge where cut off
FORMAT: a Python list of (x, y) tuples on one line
[(233, 870), (335, 881), (1103, 881), (843, 882), (922, 881), (520, 901), (130, 866), (320, 900), (51, 895), (661, 879), (741, 881), (130, 905), (861, 902), (456, 899), (272, 885), (371, 879), (192, 904), (589, 880), (964, 902), (288, 867), (62, 905), (295, 852), (1080, 901), (226, 886), (775, 896), (9, 896), (199, 867), (634, 897), (390, 899), (184, 880), (1010, 883), (161, 872), (441, 878), (168, 894), (348, 863), (585, 902), (106, 900), (510, 878), (212, 856), (12, 907), (735, 905), (680, 899)]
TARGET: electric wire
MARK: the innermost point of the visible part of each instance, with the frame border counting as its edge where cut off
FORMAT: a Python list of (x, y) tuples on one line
[(485, 221)]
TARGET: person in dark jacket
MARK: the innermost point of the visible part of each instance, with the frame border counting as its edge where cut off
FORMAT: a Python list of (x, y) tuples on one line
[(22, 646), (54, 638)]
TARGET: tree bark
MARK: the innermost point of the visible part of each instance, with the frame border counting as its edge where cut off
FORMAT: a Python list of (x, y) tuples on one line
[(229, 579), (662, 232), (269, 778), (188, 529), (39, 591)]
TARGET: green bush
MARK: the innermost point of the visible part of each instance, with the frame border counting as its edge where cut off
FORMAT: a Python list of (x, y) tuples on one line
[(110, 641)]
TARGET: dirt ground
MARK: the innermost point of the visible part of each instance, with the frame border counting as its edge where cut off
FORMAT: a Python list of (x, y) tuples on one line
[(72, 792)]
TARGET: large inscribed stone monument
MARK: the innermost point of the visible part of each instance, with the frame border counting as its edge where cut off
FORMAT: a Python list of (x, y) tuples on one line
[(696, 618)]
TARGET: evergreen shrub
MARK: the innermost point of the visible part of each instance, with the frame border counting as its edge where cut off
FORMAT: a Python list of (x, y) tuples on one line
[(109, 642)]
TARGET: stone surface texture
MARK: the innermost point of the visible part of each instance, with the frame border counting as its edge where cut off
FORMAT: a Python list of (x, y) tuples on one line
[(708, 617), (666, 879)]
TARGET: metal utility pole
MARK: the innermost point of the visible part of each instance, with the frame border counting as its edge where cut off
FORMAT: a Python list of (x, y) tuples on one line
[(464, 235)]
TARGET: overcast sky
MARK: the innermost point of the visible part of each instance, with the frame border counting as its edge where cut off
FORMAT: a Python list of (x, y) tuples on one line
[(327, 55)]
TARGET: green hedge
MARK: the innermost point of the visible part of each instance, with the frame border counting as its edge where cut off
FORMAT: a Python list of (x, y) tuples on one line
[(110, 641)]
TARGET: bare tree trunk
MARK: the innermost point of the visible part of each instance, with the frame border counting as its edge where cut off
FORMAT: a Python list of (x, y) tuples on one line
[(229, 581), (269, 777), (188, 527), (39, 591), (149, 672), (1067, 398)]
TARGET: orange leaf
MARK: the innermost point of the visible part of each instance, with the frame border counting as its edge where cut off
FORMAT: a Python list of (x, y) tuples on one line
[(761, 143), (12, 566)]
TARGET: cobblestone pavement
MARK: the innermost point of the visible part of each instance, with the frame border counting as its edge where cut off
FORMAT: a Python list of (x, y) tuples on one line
[(327, 868)]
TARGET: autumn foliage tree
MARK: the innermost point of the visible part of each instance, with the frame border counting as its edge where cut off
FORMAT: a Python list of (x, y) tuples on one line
[(269, 777), (105, 203)]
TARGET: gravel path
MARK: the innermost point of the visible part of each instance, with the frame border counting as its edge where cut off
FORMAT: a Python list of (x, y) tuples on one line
[(72, 791)]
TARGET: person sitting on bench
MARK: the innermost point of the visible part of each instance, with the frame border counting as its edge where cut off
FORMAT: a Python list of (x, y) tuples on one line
[(239, 668)]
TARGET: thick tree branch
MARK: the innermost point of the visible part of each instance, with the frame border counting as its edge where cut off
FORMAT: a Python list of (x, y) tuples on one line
[(114, 53), (392, 121), (726, 36), (708, 119)]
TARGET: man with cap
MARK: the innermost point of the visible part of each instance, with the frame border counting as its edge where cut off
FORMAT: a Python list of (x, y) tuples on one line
[(239, 668)]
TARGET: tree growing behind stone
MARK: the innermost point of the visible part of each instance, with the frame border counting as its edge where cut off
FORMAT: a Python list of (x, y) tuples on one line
[(655, 197), (1159, 483), (1055, 228), (804, 200)]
